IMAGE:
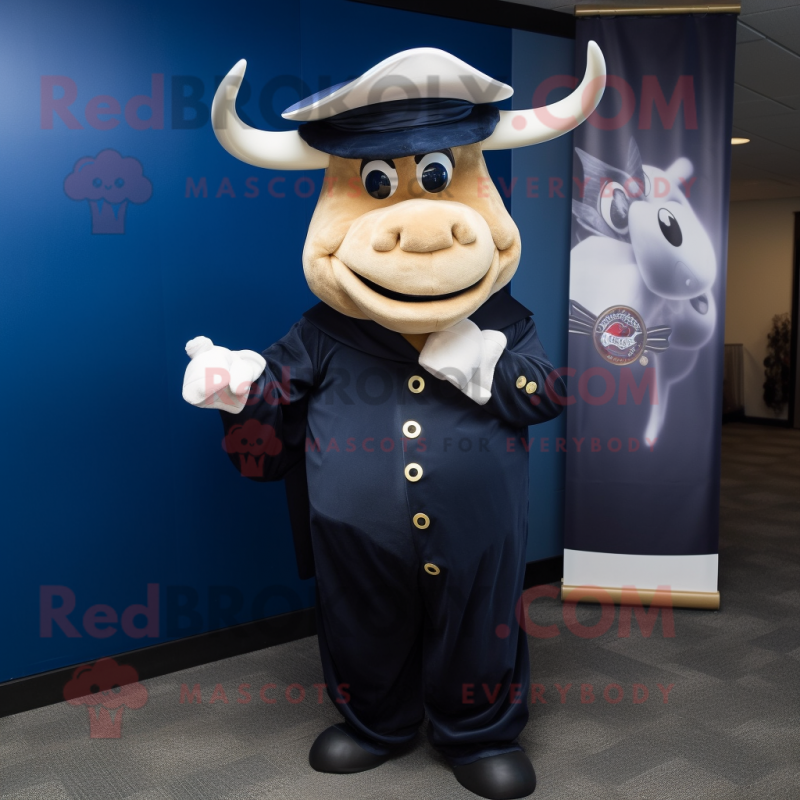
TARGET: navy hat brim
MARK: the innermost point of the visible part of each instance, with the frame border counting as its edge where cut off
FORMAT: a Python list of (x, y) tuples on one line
[(415, 139)]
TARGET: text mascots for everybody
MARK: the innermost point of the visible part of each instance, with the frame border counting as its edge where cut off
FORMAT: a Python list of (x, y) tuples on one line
[(416, 539)]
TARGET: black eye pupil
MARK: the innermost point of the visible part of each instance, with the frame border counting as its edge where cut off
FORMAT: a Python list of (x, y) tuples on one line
[(377, 184), (434, 177), (670, 228), (619, 209)]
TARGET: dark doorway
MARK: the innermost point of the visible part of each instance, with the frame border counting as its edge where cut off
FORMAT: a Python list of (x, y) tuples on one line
[(794, 379)]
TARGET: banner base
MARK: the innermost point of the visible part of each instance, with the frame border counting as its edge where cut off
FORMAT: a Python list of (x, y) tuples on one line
[(678, 573), (659, 598)]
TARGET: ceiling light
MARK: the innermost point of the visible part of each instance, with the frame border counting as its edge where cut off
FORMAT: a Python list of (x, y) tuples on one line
[(739, 140)]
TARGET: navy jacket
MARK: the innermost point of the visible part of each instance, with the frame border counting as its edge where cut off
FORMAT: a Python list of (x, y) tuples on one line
[(343, 412)]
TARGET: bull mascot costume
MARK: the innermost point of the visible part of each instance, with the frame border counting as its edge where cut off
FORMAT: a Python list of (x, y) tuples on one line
[(389, 406)]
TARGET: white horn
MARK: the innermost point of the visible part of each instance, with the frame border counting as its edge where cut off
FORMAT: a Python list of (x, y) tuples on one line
[(267, 149), (536, 125)]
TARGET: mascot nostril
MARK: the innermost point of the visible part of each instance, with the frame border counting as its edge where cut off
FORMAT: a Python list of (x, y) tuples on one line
[(427, 230), (432, 231), (463, 233), (440, 238), (414, 345), (385, 239)]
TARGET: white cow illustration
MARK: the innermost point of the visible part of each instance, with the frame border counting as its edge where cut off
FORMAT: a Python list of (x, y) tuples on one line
[(645, 249)]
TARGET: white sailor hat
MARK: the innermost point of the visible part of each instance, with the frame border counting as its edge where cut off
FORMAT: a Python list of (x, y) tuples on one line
[(421, 73), (413, 102)]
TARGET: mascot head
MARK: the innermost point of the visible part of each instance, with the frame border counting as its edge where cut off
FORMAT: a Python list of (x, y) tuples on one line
[(409, 230)]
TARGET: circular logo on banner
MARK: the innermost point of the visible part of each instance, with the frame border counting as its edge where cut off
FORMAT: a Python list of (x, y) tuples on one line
[(620, 335)]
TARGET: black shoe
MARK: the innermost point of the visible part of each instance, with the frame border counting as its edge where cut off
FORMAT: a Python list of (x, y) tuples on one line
[(335, 751), (502, 777)]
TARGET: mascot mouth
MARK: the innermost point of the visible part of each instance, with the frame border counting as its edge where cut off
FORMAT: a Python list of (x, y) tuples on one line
[(411, 313), (412, 298)]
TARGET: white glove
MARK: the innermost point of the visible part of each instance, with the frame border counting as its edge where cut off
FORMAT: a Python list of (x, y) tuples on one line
[(465, 356), (479, 388), (219, 378)]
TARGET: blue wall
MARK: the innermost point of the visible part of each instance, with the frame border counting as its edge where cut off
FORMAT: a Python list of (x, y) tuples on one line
[(540, 205), (110, 481)]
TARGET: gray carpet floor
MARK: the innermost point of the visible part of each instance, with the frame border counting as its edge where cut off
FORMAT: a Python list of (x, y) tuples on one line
[(730, 727)]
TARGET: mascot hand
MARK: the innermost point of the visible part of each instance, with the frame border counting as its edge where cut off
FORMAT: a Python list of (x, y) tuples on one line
[(454, 354), (219, 378), (465, 356), (479, 388)]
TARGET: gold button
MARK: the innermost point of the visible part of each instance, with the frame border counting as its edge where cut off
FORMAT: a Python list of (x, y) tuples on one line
[(521, 381), (416, 384), (413, 472), (422, 521), (531, 387), (432, 569), (411, 429)]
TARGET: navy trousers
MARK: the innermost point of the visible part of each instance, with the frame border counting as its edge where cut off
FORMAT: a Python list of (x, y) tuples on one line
[(397, 642)]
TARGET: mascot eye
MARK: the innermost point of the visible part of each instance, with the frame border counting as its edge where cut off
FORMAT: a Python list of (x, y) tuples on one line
[(379, 178), (97, 182), (435, 171), (119, 183), (614, 205), (669, 227)]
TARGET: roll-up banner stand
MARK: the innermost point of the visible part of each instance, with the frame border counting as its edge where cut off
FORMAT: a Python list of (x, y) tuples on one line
[(647, 294)]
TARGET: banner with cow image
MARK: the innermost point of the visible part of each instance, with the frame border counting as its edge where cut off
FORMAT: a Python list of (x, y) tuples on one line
[(647, 293)]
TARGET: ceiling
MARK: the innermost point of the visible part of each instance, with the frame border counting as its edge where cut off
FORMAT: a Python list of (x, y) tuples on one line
[(766, 100)]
